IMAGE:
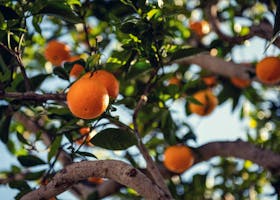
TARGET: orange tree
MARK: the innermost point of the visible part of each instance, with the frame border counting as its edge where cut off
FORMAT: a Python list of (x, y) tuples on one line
[(143, 44)]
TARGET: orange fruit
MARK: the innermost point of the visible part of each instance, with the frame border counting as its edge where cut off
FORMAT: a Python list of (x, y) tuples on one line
[(57, 52), (87, 99), (268, 70), (88, 135), (178, 158), (201, 28), (174, 81), (84, 130), (209, 81), (96, 180), (76, 69), (208, 100), (107, 79), (240, 83)]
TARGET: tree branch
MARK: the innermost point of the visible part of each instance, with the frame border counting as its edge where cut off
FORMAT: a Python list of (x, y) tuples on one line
[(263, 30), (113, 169), (151, 166), (263, 157), (33, 96), (17, 55), (219, 66)]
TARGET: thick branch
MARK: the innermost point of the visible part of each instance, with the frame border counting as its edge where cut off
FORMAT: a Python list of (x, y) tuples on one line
[(218, 66), (239, 149), (116, 170), (32, 96)]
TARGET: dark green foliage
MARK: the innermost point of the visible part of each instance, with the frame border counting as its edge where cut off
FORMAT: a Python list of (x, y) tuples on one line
[(114, 139), (30, 161)]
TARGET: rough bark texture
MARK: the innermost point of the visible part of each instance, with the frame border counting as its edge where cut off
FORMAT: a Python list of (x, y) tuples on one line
[(240, 149), (113, 169), (218, 66)]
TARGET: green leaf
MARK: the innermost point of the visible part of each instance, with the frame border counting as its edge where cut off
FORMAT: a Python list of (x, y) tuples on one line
[(168, 127), (22, 139), (93, 196), (86, 154), (67, 129), (30, 161), (193, 100), (34, 175), (61, 73), (54, 147), (20, 185), (182, 53), (8, 13), (61, 9), (114, 139), (36, 20), (35, 82), (128, 27), (4, 127)]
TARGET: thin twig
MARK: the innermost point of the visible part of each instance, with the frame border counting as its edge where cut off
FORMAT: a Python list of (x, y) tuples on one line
[(263, 30), (17, 55), (23, 72)]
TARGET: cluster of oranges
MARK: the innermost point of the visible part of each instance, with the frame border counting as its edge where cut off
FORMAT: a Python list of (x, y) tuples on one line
[(57, 52), (88, 97)]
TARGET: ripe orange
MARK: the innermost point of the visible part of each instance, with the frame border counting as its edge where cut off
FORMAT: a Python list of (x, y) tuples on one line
[(107, 79), (174, 81), (208, 101), (57, 52), (268, 70), (88, 135), (178, 158), (201, 28), (76, 69), (87, 99), (96, 180), (240, 83), (209, 81)]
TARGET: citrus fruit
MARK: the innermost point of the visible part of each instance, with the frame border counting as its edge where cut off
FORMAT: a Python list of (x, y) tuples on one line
[(240, 83), (87, 99), (268, 70), (201, 28), (77, 69), (208, 100), (178, 158), (209, 81), (87, 135), (174, 81), (95, 180), (57, 52), (107, 79)]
